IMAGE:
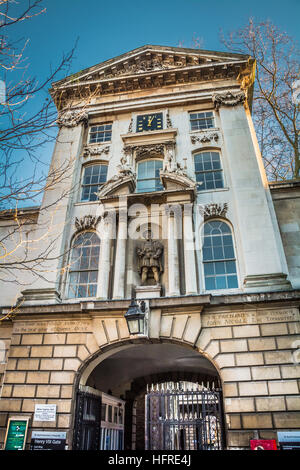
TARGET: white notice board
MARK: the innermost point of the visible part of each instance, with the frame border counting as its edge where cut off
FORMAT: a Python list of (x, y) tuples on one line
[(44, 412)]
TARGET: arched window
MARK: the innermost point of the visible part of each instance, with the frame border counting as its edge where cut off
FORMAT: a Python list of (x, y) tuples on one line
[(208, 170), (94, 176), (148, 176), (218, 256), (83, 266)]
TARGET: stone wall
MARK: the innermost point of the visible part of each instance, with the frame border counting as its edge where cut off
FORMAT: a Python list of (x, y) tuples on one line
[(286, 199), (257, 353), (255, 348)]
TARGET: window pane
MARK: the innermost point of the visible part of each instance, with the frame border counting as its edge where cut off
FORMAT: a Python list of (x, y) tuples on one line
[(84, 269), (207, 241), (220, 268), (207, 254), (209, 269), (148, 176), (219, 274), (232, 282), (221, 282), (218, 253), (207, 169), (229, 253), (94, 176), (101, 133), (230, 267), (210, 283)]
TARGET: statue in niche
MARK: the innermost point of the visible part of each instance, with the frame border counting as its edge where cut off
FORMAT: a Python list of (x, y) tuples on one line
[(149, 258)]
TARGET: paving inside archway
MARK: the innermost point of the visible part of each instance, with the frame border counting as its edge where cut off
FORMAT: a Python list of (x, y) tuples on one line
[(118, 371)]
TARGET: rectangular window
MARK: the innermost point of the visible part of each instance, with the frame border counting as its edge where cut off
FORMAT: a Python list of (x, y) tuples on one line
[(93, 178), (203, 120), (148, 179), (101, 133), (208, 171)]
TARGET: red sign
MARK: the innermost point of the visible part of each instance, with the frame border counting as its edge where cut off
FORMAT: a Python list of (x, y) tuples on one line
[(263, 444)]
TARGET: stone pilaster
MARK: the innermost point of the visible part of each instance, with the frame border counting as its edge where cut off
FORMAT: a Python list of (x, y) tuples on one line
[(173, 256), (106, 236), (257, 228), (189, 251), (120, 259)]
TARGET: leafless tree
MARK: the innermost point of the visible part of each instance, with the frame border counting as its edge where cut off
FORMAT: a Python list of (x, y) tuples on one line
[(26, 126), (275, 111)]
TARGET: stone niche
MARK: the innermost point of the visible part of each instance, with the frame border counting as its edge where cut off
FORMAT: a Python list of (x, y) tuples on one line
[(146, 262)]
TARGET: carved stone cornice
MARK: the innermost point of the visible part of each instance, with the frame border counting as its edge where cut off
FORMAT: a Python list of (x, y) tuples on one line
[(228, 98), (205, 138), (214, 210), (87, 222), (72, 118), (90, 151), (149, 137), (152, 67)]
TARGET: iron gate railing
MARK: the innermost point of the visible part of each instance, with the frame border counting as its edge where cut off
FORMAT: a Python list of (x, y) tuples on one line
[(184, 420)]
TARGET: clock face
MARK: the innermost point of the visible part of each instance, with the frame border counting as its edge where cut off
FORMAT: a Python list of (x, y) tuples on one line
[(149, 122)]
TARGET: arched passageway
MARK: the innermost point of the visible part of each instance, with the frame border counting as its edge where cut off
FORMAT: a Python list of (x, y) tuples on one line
[(155, 396)]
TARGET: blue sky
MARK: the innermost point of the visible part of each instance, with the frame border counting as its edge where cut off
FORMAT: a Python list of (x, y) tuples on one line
[(105, 29), (108, 28)]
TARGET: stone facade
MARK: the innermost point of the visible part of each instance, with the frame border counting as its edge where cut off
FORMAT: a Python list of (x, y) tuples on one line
[(248, 337)]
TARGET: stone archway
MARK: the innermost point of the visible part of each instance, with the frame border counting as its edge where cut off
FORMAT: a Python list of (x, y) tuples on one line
[(124, 370)]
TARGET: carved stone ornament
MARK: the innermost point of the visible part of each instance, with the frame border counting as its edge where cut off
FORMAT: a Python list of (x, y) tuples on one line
[(125, 174), (72, 118), (130, 128), (170, 163), (141, 67), (87, 222), (228, 99), (144, 150), (90, 151), (214, 210), (169, 122), (205, 138)]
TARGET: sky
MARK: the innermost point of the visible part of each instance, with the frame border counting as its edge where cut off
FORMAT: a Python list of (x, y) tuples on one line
[(105, 29)]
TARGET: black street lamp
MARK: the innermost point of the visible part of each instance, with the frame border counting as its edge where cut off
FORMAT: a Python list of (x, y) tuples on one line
[(135, 318)]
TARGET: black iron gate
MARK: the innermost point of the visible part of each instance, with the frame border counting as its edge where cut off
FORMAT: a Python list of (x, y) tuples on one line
[(184, 420), (87, 422)]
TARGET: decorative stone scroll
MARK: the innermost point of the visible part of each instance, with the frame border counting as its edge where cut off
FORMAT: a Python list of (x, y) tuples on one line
[(125, 175), (90, 151), (169, 122), (130, 128), (87, 222), (72, 118), (214, 210), (205, 138), (228, 99)]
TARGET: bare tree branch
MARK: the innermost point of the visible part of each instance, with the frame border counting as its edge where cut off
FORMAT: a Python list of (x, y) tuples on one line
[(275, 113)]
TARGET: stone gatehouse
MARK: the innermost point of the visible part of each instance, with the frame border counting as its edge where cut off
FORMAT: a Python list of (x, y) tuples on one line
[(160, 141)]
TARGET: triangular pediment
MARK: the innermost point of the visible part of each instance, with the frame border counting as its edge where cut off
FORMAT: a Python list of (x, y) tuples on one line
[(151, 60)]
